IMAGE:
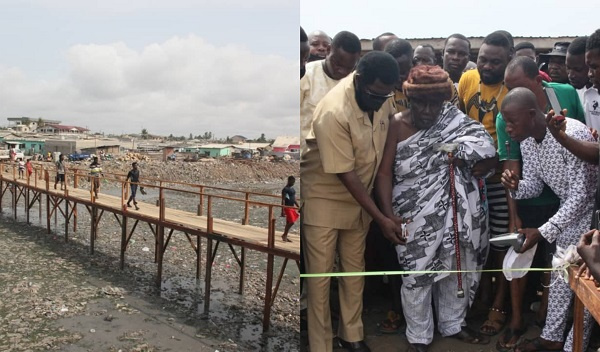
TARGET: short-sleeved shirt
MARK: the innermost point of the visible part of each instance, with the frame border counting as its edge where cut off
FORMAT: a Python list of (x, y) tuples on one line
[(342, 139), (134, 176), (95, 169), (60, 167), (568, 99), (591, 105), (313, 87), (482, 103), (289, 195), (477, 105)]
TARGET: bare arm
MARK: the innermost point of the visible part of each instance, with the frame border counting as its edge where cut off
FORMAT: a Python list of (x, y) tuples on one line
[(514, 222), (482, 167), (584, 150)]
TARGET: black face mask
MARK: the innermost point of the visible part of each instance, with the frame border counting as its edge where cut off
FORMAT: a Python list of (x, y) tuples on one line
[(302, 71), (314, 57), (364, 101)]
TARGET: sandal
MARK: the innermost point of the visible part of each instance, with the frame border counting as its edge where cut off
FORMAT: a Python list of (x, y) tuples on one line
[(494, 323), (467, 335), (536, 344), (392, 323), (510, 335)]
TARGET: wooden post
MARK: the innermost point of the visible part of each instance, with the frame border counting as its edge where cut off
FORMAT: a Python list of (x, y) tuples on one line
[(577, 324), (74, 207), (93, 229), (27, 196), (246, 219), (123, 240), (201, 204), (242, 270), (269, 283), (48, 211), (198, 255), (160, 234), (14, 196), (207, 275), (66, 219)]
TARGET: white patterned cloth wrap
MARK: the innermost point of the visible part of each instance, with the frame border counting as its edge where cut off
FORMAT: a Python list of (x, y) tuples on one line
[(421, 193)]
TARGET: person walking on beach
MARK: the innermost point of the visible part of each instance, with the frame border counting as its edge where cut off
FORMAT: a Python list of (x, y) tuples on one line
[(288, 198), (60, 172), (134, 176), (95, 172)]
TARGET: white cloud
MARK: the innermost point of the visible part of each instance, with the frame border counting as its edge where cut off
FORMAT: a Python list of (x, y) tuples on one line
[(183, 85)]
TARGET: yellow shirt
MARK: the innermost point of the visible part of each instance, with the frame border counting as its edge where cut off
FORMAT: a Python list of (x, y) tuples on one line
[(491, 99), (342, 139), (313, 87), (400, 101)]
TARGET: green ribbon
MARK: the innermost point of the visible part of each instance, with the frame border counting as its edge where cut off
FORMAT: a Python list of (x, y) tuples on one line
[(419, 272)]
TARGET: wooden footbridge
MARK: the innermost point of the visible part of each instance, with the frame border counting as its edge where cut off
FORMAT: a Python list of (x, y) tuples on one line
[(163, 221)]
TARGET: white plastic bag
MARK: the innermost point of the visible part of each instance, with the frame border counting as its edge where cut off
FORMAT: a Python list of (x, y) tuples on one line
[(563, 258), (514, 260)]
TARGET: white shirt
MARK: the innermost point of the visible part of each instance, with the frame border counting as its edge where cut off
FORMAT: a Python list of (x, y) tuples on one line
[(591, 108), (313, 87), (570, 178)]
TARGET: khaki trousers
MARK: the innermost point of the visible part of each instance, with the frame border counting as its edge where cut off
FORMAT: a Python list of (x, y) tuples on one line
[(320, 244)]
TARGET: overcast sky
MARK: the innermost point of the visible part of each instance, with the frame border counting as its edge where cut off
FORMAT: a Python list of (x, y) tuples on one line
[(440, 18), (170, 66)]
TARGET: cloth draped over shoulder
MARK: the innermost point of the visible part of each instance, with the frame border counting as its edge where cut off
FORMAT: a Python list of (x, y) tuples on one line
[(421, 193)]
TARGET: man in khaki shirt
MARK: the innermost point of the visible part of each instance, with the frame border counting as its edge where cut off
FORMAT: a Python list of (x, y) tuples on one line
[(323, 75), (339, 162)]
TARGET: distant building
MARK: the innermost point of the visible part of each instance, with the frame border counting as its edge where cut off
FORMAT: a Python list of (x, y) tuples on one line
[(237, 139), (29, 146), (289, 144), (27, 124), (215, 150), (93, 146), (249, 150), (61, 129)]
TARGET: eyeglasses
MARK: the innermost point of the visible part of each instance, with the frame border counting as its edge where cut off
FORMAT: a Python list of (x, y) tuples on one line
[(379, 96)]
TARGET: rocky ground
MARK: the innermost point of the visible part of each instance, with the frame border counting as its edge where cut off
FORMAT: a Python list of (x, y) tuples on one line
[(57, 296), (208, 171)]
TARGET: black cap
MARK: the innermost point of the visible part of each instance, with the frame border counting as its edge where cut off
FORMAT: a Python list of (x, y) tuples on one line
[(559, 49)]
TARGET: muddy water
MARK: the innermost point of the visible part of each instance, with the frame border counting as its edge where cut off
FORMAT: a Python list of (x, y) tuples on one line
[(234, 322)]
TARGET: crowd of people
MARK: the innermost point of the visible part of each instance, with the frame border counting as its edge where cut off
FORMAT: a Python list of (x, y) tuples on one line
[(425, 165)]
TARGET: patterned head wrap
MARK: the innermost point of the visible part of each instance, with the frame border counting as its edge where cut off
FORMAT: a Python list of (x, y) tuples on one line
[(426, 80)]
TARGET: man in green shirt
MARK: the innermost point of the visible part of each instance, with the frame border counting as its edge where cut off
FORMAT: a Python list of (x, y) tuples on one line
[(523, 72)]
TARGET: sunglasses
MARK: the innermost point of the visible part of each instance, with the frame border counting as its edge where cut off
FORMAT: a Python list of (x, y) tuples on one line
[(379, 96)]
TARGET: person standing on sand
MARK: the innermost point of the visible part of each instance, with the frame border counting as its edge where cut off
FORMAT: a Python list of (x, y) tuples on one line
[(288, 198), (134, 176)]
